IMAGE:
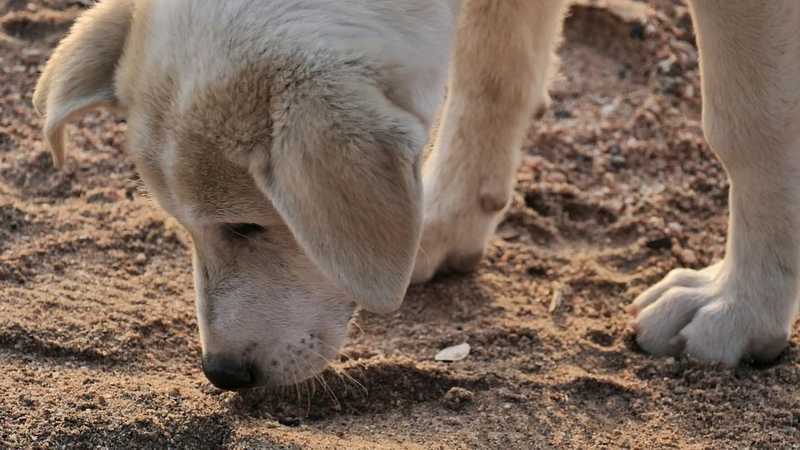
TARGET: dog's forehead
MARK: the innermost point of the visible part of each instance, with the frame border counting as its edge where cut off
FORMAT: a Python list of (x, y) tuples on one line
[(212, 187), (193, 164), (225, 120), (199, 188)]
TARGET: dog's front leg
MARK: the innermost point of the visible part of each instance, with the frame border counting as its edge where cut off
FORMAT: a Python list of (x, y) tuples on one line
[(502, 64), (744, 306)]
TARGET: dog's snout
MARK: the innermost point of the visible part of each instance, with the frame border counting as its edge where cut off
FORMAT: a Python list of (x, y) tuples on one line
[(228, 374)]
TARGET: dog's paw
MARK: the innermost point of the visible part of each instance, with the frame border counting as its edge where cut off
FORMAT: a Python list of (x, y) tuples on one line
[(713, 316), (456, 231), (439, 252)]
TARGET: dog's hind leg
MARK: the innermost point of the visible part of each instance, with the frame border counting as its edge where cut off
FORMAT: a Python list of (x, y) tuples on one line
[(744, 306), (502, 63)]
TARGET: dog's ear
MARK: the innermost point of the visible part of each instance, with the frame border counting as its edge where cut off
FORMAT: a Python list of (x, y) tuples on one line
[(343, 174), (80, 73)]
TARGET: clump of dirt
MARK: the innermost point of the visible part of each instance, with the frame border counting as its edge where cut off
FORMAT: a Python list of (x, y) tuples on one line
[(98, 339), (457, 398)]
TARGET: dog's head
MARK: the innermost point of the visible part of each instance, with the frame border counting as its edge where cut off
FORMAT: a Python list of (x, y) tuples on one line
[(294, 169)]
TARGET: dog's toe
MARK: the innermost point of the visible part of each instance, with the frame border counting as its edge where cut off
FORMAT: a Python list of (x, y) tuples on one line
[(708, 316)]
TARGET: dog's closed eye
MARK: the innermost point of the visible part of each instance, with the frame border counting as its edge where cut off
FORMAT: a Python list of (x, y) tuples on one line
[(244, 230)]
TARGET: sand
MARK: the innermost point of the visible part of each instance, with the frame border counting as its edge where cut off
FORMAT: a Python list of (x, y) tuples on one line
[(99, 344)]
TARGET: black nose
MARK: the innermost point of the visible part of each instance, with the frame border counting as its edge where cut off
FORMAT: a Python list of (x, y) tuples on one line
[(228, 374)]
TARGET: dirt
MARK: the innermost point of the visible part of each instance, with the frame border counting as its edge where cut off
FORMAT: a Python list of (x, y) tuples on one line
[(99, 344)]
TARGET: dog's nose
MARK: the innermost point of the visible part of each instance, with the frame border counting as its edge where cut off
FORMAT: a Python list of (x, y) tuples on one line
[(228, 374)]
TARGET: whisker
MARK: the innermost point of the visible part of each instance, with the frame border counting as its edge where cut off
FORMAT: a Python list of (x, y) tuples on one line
[(344, 374), (293, 372), (308, 397), (329, 391), (357, 365), (322, 380), (333, 369), (358, 327)]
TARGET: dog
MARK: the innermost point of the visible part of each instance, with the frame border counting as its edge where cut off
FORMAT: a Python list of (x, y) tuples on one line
[(286, 136)]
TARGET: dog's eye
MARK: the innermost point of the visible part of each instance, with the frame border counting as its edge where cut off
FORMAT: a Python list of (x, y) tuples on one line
[(244, 230)]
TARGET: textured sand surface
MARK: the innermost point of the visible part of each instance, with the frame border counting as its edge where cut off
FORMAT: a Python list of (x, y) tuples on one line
[(98, 340)]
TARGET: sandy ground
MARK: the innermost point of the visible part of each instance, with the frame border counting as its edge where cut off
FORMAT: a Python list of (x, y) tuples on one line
[(98, 340)]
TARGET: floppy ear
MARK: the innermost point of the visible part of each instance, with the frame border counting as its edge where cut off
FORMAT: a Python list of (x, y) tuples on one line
[(80, 74), (343, 174)]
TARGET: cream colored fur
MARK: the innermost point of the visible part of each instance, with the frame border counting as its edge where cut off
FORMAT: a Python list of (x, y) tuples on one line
[(502, 63), (306, 119)]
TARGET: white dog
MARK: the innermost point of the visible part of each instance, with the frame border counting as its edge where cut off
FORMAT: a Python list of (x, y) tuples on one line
[(286, 136)]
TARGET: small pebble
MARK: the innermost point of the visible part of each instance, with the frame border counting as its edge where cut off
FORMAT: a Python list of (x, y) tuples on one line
[(688, 257), (457, 398), (454, 353), (556, 300), (290, 421)]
